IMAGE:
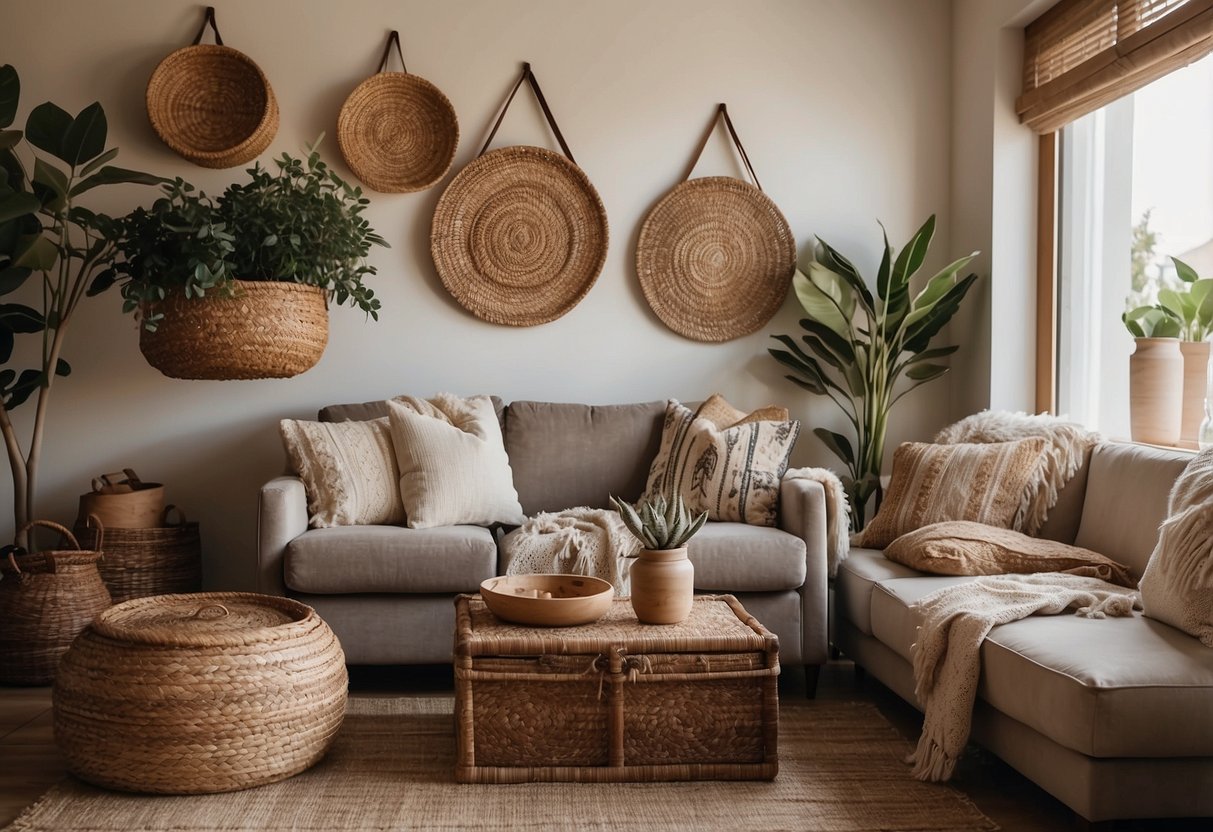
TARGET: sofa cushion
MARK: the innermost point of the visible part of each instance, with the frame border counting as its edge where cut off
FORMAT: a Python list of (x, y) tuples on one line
[(1113, 687), (362, 411), (857, 576), (568, 455), (348, 559), (735, 557)]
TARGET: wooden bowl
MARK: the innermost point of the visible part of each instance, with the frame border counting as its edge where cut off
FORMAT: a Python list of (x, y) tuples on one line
[(570, 599)]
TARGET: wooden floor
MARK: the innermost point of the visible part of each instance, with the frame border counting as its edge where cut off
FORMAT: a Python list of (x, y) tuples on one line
[(29, 762)]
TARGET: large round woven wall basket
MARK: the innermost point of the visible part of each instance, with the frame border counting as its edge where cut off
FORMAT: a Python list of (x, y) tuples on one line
[(519, 236), (199, 693), (398, 133), (266, 329), (212, 105), (715, 259)]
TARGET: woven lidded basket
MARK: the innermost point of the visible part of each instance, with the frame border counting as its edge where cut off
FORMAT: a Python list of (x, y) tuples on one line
[(46, 599), (199, 693), (397, 131), (149, 561), (267, 329), (212, 104)]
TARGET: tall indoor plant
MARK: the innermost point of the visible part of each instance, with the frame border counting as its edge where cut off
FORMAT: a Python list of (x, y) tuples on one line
[(856, 346), (44, 231)]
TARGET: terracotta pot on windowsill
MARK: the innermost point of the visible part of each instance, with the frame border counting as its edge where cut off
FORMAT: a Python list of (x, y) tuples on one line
[(1156, 391), (1196, 367)]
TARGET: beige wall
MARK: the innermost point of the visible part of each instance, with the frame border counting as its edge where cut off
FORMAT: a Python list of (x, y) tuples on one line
[(844, 108)]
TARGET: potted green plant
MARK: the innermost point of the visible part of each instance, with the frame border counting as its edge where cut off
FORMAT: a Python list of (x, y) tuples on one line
[(238, 287), (1191, 303), (856, 347), (662, 578), (1156, 373), (45, 231)]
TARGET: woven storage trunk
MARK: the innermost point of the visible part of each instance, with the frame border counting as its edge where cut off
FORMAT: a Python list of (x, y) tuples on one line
[(201, 693), (616, 700), (142, 562)]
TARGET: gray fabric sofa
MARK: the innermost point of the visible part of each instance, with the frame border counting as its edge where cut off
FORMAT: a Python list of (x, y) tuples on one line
[(387, 591), (1114, 717)]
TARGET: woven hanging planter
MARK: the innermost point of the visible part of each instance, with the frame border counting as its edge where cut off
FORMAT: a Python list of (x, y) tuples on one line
[(199, 693), (715, 255), (267, 329), (397, 131), (520, 235), (212, 104)]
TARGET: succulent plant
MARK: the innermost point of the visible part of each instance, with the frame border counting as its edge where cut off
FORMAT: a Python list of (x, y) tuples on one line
[(661, 523)]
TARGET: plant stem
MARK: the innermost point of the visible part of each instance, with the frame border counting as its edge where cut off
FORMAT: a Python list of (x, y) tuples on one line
[(16, 462)]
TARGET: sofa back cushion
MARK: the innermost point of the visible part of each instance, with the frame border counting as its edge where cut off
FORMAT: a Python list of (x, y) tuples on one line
[(365, 411), (1066, 513), (1126, 500), (567, 455)]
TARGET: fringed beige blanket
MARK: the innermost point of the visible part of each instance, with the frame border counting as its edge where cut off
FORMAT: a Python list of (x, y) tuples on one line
[(838, 512), (579, 541), (955, 621)]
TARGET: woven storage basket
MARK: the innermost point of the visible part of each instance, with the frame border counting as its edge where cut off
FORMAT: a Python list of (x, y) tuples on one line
[(122, 500), (267, 329), (397, 131), (520, 235), (715, 255), (46, 599), (152, 561), (201, 693), (212, 104)]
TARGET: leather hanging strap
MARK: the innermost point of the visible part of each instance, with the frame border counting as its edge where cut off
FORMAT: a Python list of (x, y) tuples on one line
[(728, 122), (209, 20), (529, 77), (393, 38)]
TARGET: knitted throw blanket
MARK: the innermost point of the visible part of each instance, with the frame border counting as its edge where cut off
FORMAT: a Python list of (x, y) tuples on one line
[(954, 622), (578, 541), (838, 512)]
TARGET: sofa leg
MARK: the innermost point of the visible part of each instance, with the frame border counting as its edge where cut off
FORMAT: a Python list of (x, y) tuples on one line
[(811, 674)]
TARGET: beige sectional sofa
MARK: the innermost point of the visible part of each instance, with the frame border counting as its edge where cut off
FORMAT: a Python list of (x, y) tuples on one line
[(388, 591), (1114, 717)]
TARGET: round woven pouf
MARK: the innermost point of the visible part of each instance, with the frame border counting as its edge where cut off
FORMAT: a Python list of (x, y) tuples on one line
[(715, 258), (212, 105), (199, 693), (519, 236), (398, 132)]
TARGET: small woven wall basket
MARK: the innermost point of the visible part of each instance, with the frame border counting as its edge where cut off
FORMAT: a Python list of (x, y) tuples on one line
[(212, 104), (397, 131), (46, 599), (148, 561), (520, 235), (715, 256), (266, 329), (222, 690)]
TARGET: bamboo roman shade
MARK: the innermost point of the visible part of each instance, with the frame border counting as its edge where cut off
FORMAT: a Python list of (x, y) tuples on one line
[(1083, 54)]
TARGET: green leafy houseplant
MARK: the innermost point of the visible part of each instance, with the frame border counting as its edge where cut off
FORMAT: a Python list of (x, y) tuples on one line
[(661, 524), (1185, 312), (856, 347), (43, 230), (302, 224)]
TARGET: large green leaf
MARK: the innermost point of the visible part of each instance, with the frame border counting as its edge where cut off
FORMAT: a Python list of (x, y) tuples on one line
[(931, 354), (926, 372), (13, 278), (50, 184), (1178, 304), (46, 127), (818, 304), (808, 369), (40, 254), (17, 317), (7, 341), (910, 259), (1185, 272), (938, 285), (9, 138), (107, 156), (27, 383), (17, 204), (918, 336), (110, 175), (838, 444), (836, 287), (1201, 292), (10, 94), (841, 266), (838, 344), (85, 139), (886, 268), (1151, 322)]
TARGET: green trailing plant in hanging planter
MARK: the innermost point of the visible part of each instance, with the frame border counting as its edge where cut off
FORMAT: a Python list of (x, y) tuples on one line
[(856, 347)]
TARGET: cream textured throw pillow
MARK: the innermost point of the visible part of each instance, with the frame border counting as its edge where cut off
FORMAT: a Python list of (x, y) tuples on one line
[(453, 465), (348, 470), (733, 474), (931, 483), (1177, 587)]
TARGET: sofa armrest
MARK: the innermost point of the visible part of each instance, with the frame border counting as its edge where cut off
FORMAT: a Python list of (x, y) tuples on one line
[(281, 517), (802, 512)]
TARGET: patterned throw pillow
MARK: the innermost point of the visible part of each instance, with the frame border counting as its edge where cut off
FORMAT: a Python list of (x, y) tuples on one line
[(732, 473), (348, 470), (985, 483)]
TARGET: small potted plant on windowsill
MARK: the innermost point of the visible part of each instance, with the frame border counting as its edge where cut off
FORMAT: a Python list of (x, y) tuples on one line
[(1156, 376), (238, 287), (1191, 303)]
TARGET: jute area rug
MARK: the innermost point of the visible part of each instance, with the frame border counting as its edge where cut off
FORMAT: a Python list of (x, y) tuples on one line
[(391, 769)]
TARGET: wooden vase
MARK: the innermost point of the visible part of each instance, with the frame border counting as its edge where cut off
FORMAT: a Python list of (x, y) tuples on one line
[(1196, 367), (663, 585), (1156, 391)]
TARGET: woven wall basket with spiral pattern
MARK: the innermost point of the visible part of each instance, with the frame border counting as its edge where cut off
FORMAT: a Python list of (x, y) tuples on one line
[(266, 329), (212, 104), (199, 693), (715, 255), (397, 131), (520, 235)]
